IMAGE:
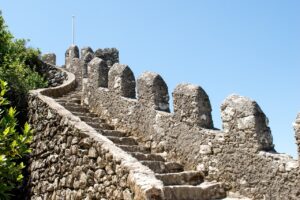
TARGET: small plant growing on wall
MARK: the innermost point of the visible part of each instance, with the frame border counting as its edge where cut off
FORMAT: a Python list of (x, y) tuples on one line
[(13, 146)]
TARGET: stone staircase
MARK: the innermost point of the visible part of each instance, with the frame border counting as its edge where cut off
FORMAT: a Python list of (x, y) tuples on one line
[(178, 184)]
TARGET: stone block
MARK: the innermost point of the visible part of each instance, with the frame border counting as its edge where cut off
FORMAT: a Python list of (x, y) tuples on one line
[(153, 91), (121, 81), (192, 105)]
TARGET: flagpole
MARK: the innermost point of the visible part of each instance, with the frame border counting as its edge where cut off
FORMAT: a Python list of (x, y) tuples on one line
[(73, 30)]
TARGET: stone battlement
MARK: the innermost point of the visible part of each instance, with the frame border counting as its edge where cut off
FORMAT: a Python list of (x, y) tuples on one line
[(242, 154)]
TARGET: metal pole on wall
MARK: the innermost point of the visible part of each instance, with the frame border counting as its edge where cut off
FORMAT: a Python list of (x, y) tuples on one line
[(73, 30)]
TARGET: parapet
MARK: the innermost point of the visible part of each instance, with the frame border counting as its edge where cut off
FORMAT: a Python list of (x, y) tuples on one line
[(109, 55), (192, 105), (297, 134), (153, 91), (242, 154), (121, 80), (98, 73), (85, 50), (71, 53), (243, 117), (49, 58)]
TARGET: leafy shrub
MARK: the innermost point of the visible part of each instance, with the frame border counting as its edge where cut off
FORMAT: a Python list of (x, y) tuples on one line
[(17, 68), (13, 146)]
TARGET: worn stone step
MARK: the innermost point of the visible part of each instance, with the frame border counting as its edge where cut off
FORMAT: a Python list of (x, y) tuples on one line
[(151, 157), (73, 95), (235, 196), (67, 100), (76, 108), (99, 125), (65, 104), (182, 178), (163, 167), (123, 140), (204, 191), (72, 104), (84, 114), (90, 119), (134, 148), (113, 133)]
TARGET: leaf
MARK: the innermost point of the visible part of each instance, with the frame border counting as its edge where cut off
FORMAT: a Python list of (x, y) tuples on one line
[(20, 177), (6, 131), (26, 128)]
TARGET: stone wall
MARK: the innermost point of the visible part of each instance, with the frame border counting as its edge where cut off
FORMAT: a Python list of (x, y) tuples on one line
[(48, 70), (242, 154), (79, 67), (297, 130), (70, 160)]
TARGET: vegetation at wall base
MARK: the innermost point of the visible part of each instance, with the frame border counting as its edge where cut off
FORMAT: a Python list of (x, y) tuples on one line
[(13, 146), (17, 68)]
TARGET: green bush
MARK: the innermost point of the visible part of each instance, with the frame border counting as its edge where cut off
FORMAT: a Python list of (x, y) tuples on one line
[(13, 146), (17, 68)]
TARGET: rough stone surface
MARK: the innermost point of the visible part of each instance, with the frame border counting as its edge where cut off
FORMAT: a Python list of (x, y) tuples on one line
[(153, 91), (297, 131), (51, 73), (71, 53), (86, 50), (241, 155), (242, 116), (197, 111), (98, 75), (49, 58), (109, 55), (70, 160), (121, 80)]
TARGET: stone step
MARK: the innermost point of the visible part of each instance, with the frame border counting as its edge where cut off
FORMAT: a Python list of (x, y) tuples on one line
[(134, 148), (84, 114), (235, 196), (113, 133), (123, 140), (72, 95), (90, 119), (67, 100), (163, 167), (76, 108), (144, 157), (99, 125), (182, 178), (72, 104), (204, 191)]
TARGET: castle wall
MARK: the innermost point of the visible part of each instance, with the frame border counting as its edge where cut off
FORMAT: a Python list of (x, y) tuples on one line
[(241, 155), (70, 160)]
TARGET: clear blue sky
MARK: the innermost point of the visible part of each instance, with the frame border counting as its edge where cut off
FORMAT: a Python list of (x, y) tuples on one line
[(248, 47)]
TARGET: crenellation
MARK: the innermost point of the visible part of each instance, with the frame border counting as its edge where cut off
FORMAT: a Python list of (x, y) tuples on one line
[(243, 115), (84, 61), (71, 53), (110, 55), (121, 80), (86, 50), (192, 105), (153, 91), (297, 134), (241, 155), (49, 58), (97, 73)]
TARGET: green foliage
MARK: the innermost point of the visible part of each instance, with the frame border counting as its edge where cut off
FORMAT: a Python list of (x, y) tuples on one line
[(13, 146), (17, 67), (17, 70)]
